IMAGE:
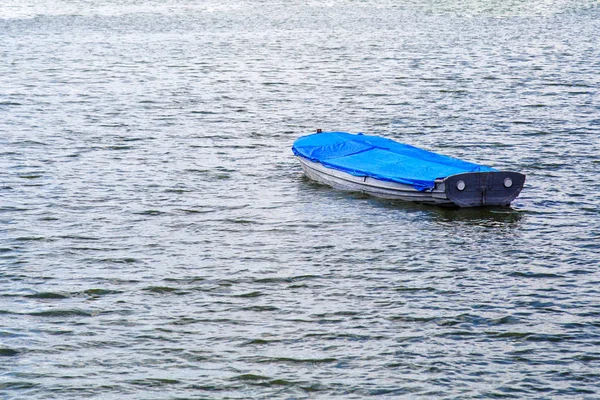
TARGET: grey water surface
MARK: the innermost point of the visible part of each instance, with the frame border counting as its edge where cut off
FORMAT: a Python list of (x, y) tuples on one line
[(158, 240)]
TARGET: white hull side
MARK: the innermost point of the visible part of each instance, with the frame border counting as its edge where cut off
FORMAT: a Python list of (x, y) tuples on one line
[(371, 186)]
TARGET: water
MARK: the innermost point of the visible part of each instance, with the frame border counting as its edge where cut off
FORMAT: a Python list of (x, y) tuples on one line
[(159, 242)]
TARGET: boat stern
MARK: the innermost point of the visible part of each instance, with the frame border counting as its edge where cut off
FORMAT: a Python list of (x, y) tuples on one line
[(475, 189)]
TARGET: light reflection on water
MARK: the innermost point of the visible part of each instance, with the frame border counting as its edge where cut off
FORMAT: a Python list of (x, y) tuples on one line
[(158, 240)]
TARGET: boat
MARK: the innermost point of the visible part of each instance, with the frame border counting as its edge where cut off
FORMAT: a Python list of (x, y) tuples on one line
[(388, 169)]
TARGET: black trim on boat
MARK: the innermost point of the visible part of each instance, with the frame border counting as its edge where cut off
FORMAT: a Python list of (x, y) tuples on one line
[(474, 189)]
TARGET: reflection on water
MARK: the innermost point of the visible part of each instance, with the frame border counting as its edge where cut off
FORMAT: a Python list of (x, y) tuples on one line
[(489, 216), (483, 216)]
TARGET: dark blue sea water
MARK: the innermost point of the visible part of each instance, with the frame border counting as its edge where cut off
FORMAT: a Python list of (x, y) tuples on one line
[(158, 240)]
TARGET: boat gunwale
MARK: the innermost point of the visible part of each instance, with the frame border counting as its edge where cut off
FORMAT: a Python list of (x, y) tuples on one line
[(375, 187), (441, 194)]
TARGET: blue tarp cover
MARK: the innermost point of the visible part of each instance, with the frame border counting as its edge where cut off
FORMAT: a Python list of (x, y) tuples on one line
[(380, 158)]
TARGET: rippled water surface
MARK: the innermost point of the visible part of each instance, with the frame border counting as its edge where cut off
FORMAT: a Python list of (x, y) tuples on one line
[(158, 241)]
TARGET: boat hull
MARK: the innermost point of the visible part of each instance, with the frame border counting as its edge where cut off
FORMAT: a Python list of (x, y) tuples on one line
[(471, 189)]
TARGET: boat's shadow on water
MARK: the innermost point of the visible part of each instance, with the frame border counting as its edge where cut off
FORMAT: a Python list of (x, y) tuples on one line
[(481, 216)]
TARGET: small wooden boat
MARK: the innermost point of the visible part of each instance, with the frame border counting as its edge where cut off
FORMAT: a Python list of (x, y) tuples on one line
[(384, 168)]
